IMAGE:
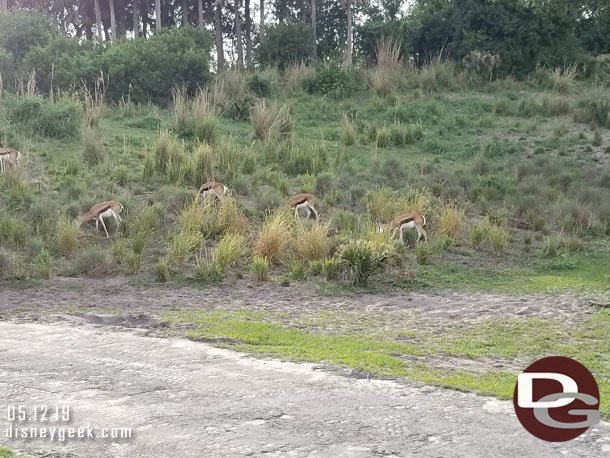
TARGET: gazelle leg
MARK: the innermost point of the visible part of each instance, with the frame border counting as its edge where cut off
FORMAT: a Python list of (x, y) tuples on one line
[(117, 220), (296, 212), (103, 225), (312, 211), (97, 225), (401, 238)]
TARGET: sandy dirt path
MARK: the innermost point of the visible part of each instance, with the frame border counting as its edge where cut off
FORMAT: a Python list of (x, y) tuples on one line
[(187, 399)]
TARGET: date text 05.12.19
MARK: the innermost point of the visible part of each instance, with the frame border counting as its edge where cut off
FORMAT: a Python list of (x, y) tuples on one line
[(38, 413)]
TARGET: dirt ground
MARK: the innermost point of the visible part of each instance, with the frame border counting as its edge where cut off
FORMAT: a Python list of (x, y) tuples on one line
[(93, 345)]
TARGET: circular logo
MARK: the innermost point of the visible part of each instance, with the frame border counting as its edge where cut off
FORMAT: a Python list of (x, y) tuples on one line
[(556, 399)]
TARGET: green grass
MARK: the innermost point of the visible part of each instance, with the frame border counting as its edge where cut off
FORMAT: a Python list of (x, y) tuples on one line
[(8, 453), (406, 350), (579, 273)]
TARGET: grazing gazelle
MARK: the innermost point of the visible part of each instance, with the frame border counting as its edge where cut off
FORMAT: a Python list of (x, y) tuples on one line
[(8, 155), (100, 211), (408, 221), (303, 201), (212, 188)]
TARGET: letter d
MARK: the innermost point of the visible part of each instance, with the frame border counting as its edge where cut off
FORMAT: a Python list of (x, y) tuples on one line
[(525, 391)]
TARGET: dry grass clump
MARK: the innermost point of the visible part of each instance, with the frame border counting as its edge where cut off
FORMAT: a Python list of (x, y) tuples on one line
[(203, 164), (268, 122), (94, 261), (296, 75), (68, 237), (274, 239), (562, 79), (311, 241), (348, 131), (384, 77), (94, 102), (450, 221)]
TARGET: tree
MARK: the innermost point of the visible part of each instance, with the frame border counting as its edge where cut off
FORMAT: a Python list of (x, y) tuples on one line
[(262, 21), (248, 34), (158, 15), (98, 19), (220, 53), (200, 13), (238, 37), (112, 21), (314, 35), (136, 19), (349, 7), (4, 5), (185, 13)]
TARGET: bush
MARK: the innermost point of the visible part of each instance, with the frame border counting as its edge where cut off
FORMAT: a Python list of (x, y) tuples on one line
[(364, 259), (161, 271), (331, 80), (259, 269), (43, 262), (94, 261), (176, 56), (331, 269), (312, 243), (273, 240), (41, 116), (478, 234), (451, 220), (134, 261), (498, 239), (183, 246), (94, 152), (230, 249), (13, 231), (259, 85), (422, 254), (348, 131), (208, 270), (68, 237), (284, 44), (297, 270)]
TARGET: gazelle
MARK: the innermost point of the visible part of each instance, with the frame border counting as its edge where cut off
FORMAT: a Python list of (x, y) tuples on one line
[(98, 212), (408, 221), (9, 155), (212, 188), (303, 201)]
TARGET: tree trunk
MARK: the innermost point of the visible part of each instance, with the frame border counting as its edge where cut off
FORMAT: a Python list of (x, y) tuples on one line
[(4, 5), (136, 20), (112, 21), (248, 35), (240, 45), (314, 32), (220, 53), (262, 20), (185, 13), (98, 20), (200, 10), (144, 9), (348, 51), (158, 14)]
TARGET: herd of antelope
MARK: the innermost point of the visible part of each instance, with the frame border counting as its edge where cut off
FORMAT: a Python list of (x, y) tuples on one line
[(111, 209)]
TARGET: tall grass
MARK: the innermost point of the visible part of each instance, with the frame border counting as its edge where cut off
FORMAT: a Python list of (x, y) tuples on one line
[(274, 239), (268, 122)]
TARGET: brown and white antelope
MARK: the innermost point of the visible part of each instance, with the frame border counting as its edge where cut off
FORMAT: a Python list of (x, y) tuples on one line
[(10, 156), (98, 212), (303, 201), (212, 188), (413, 220)]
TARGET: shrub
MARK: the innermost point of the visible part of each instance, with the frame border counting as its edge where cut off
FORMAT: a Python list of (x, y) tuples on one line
[(43, 262), (207, 269), (595, 110), (183, 246), (451, 219), (498, 239), (203, 164), (478, 234), (94, 261), (316, 268), (297, 270), (273, 240), (39, 116), (13, 231), (562, 79), (348, 131), (364, 259), (230, 249), (551, 247), (205, 129), (259, 269), (270, 123), (383, 137), (94, 152), (312, 243), (284, 44), (556, 106), (134, 261), (347, 221), (422, 254), (68, 237), (148, 220), (139, 242), (259, 85), (331, 80), (331, 268), (161, 271)]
